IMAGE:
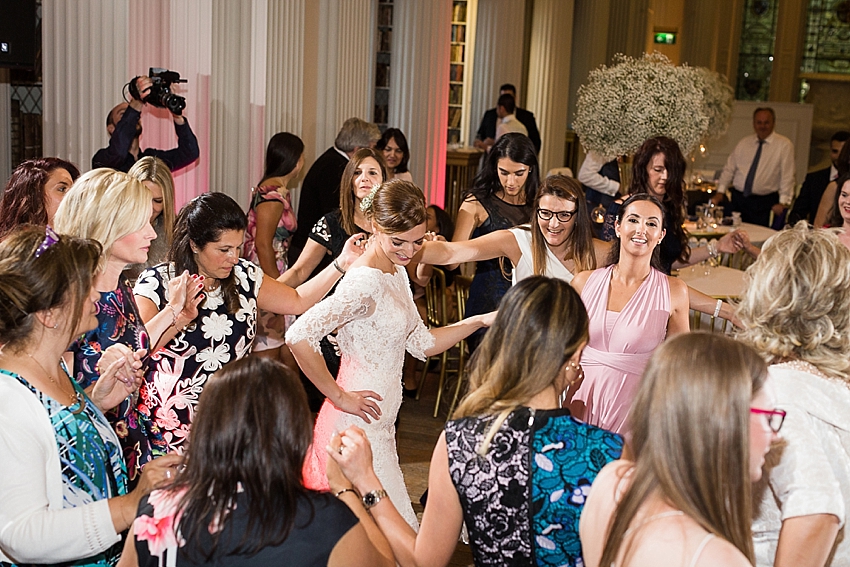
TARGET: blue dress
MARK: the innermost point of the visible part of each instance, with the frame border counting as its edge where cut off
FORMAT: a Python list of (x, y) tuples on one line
[(522, 501)]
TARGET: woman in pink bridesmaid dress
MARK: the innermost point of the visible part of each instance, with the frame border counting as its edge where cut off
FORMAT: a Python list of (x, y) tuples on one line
[(632, 307)]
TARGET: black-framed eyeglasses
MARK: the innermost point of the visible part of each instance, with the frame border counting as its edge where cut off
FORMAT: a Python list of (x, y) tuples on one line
[(775, 418), (562, 216)]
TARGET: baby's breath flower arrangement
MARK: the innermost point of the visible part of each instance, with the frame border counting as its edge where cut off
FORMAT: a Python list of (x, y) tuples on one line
[(717, 102), (634, 99)]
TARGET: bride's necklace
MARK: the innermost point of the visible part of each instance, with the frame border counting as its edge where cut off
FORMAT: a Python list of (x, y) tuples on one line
[(75, 398)]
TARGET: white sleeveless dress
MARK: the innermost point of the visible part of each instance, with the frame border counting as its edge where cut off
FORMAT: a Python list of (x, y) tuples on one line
[(525, 266)]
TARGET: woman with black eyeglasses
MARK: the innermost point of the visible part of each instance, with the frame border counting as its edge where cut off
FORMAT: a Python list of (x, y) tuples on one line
[(796, 313), (557, 243)]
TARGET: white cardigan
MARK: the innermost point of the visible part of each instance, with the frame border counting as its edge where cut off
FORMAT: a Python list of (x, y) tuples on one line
[(34, 526)]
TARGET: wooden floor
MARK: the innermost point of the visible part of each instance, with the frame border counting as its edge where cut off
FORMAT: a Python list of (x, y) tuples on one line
[(417, 434)]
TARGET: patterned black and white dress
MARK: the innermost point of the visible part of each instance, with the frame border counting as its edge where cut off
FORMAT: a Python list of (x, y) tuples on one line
[(523, 500)]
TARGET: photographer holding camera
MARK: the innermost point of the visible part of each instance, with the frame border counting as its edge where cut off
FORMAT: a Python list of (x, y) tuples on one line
[(124, 127)]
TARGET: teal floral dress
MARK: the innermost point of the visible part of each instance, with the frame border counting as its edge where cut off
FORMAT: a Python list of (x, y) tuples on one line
[(90, 456)]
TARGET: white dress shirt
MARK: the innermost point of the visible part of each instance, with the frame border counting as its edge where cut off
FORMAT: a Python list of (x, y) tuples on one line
[(510, 124), (775, 170), (590, 176)]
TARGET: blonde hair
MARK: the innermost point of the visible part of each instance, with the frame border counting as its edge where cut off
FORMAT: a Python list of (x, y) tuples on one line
[(690, 438), (104, 205), (540, 324), (155, 170), (797, 300)]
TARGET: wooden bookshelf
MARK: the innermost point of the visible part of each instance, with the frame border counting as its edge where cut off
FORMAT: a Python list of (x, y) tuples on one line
[(382, 63)]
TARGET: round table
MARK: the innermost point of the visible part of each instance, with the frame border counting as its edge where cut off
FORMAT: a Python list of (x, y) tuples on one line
[(720, 283)]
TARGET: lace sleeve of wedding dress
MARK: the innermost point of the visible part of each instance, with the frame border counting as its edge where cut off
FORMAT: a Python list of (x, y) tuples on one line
[(419, 340), (354, 298)]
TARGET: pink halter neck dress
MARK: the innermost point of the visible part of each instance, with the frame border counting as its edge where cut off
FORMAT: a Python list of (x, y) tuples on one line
[(620, 345)]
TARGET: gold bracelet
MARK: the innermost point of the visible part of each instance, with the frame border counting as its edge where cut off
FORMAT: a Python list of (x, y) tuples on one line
[(344, 490)]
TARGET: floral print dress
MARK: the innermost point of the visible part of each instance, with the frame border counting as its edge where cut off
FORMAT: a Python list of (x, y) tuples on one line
[(178, 371), (271, 326), (118, 321)]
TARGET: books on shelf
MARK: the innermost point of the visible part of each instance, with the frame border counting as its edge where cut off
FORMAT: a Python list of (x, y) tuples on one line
[(459, 11), (458, 53)]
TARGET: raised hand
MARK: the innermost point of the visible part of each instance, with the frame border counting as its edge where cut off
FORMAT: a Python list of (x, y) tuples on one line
[(352, 451), (362, 403), (352, 250), (121, 374), (184, 293)]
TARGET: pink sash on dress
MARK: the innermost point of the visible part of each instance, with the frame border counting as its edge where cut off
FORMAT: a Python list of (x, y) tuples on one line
[(614, 363)]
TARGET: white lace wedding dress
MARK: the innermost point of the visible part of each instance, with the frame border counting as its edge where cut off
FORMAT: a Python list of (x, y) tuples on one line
[(377, 322)]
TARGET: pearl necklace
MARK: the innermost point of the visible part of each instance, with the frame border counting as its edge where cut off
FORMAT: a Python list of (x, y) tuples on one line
[(802, 366), (75, 398)]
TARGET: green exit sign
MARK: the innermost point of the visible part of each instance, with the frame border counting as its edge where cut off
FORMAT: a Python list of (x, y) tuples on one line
[(666, 38)]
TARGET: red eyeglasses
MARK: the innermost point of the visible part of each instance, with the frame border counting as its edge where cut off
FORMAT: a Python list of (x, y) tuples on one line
[(775, 418)]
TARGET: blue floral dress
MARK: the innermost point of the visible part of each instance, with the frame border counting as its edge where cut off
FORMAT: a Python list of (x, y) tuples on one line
[(118, 321), (90, 457), (178, 371), (523, 500)]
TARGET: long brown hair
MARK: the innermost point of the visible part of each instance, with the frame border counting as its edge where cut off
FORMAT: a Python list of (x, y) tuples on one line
[(674, 187), (540, 324), (251, 432), (690, 438), (843, 167), (581, 238), (22, 201), (200, 222), (61, 276), (347, 202)]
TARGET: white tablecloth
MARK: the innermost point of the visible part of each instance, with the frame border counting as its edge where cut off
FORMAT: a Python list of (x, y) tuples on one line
[(757, 233), (720, 283)]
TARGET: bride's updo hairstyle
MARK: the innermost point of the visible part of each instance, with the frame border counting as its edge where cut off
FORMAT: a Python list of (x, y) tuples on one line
[(396, 206)]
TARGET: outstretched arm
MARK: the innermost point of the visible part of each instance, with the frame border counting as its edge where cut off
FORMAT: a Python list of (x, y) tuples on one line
[(279, 298), (446, 337), (493, 245)]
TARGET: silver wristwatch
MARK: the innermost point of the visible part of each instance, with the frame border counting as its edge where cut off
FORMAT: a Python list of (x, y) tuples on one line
[(370, 499)]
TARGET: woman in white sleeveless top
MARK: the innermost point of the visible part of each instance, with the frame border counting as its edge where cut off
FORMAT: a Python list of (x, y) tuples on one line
[(558, 243)]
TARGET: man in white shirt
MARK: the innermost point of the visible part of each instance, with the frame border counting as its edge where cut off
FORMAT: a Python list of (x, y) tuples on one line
[(507, 120), (759, 174)]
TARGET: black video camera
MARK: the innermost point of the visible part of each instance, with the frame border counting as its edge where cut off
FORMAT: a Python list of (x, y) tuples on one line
[(160, 94)]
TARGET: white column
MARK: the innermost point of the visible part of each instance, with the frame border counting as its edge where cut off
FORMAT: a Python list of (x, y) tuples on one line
[(346, 65), (419, 88), (498, 56), (285, 67), (84, 55), (549, 76)]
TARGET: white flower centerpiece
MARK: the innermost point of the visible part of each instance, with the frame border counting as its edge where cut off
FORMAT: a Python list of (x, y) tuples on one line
[(637, 98)]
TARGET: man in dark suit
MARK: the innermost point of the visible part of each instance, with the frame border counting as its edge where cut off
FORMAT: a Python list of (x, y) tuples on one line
[(320, 188), (487, 130), (806, 205)]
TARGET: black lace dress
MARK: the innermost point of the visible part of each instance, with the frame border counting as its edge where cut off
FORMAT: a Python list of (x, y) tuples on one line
[(522, 501)]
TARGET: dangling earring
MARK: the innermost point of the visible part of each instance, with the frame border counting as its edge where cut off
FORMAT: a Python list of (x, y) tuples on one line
[(579, 373)]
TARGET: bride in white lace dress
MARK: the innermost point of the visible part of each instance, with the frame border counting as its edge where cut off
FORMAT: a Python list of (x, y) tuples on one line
[(377, 322)]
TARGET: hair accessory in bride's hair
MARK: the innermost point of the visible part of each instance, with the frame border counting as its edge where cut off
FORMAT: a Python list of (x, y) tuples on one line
[(366, 203)]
